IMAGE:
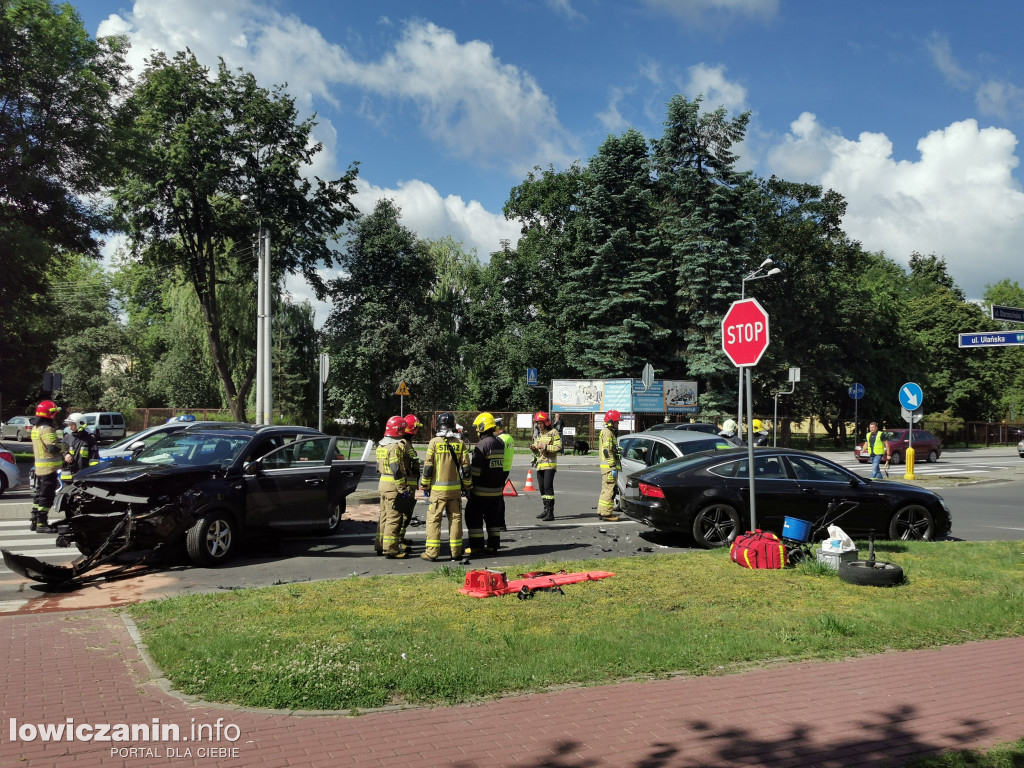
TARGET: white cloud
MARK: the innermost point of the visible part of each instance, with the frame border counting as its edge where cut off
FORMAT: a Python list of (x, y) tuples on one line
[(998, 98), (958, 200), (718, 91), (611, 118), (470, 103)]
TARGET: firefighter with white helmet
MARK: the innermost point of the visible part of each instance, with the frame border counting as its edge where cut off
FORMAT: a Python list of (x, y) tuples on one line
[(546, 448), (446, 476), (79, 447), (394, 487), (611, 465), (46, 452)]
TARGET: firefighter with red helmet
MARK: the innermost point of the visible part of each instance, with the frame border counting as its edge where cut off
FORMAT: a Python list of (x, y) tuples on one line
[(446, 476), (412, 466), (611, 465), (485, 505), (46, 449), (546, 448), (395, 487)]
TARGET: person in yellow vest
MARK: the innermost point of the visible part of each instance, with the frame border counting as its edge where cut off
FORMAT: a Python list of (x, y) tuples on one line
[(611, 465), (446, 476), (394, 487), (546, 448), (506, 463), (46, 449), (875, 446)]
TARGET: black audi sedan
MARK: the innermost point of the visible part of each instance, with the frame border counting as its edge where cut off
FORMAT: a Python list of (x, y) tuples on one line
[(707, 495)]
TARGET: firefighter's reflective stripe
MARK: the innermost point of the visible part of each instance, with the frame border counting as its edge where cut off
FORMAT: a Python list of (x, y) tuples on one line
[(446, 467), (390, 457), (549, 445), (488, 466)]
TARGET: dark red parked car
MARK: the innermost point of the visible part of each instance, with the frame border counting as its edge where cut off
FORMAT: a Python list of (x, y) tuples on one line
[(927, 447)]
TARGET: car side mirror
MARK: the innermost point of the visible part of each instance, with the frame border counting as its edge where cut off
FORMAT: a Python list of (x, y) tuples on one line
[(136, 448), (253, 467), (854, 482)]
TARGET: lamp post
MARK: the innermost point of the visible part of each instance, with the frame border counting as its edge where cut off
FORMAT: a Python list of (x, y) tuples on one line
[(264, 382), (757, 274)]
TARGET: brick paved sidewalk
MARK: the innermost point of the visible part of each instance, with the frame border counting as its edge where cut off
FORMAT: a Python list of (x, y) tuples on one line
[(872, 711)]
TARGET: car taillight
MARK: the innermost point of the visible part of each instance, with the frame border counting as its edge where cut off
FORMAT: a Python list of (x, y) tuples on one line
[(651, 491), (7, 456)]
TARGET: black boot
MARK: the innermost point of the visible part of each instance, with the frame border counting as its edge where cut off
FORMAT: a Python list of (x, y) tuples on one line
[(35, 521), (43, 525), (549, 510)]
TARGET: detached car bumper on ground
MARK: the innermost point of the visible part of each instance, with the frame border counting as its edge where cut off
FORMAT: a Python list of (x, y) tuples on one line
[(206, 489), (707, 496)]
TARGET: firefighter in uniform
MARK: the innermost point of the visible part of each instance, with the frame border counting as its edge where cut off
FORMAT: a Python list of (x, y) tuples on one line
[(485, 501), (412, 466), (446, 477), (79, 447), (506, 463), (611, 465), (46, 450), (394, 487), (546, 448)]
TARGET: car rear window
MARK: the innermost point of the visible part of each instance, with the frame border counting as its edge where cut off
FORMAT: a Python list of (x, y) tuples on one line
[(711, 444)]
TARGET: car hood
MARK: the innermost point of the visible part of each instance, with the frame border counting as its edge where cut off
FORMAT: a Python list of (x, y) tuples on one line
[(121, 480)]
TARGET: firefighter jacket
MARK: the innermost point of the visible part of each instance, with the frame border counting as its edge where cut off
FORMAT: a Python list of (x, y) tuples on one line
[(391, 464), (46, 448), (446, 472), (487, 466), (547, 448), (609, 448), (82, 447), (412, 463)]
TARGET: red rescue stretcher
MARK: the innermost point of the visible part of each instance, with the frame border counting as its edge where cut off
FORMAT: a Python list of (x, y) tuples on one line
[(487, 583)]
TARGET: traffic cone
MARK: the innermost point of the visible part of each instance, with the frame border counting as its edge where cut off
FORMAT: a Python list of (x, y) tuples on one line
[(529, 482), (510, 490)]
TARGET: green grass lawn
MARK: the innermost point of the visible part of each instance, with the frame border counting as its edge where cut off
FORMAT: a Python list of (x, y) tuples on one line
[(369, 642)]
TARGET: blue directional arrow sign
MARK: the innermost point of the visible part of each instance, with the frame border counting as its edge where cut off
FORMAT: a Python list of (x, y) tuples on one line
[(991, 339), (911, 396), (856, 390)]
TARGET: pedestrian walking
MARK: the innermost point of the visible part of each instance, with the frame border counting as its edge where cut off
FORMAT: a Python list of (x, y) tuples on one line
[(611, 465), (46, 452), (485, 505), (446, 476), (546, 448), (394, 485), (876, 447)]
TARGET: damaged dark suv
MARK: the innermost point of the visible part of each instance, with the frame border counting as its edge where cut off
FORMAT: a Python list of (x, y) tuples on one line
[(206, 487)]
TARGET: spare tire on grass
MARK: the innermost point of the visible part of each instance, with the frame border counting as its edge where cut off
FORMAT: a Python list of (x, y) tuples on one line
[(871, 573)]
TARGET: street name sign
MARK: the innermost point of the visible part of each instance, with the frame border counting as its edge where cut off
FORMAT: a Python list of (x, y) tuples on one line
[(1013, 314), (991, 339)]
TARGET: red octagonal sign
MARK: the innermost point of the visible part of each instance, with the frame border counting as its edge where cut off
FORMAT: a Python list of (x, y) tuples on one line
[(745, 332)]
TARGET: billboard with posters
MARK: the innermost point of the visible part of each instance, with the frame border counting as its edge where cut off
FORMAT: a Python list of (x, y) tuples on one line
[(625, 395)]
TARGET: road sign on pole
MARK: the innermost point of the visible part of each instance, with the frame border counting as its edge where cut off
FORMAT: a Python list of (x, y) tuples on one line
[(1013, 314), (647, 377), (991, 339), (856, 390), (531, 377), (745, 332), (911, 396)]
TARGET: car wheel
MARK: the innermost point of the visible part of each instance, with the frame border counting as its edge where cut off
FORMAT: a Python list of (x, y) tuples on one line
[(211, 540), (334, 519), (871, 573), (933, 456), (716, 525), (912, 523), (3, 483), (896, 458), (19, 436)]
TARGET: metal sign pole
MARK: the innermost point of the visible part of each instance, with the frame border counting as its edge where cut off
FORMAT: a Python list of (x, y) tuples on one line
[(750, 452)]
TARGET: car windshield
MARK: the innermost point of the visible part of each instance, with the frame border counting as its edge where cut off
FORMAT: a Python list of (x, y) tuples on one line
[(695, 446), (194, 449)]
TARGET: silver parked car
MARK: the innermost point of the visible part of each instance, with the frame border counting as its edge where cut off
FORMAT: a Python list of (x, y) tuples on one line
[(17, 428), (9, 477), (641, 450)]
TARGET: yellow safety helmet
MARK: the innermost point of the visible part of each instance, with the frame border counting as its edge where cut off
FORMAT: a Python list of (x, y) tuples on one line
[(484, 422), (758, 426)]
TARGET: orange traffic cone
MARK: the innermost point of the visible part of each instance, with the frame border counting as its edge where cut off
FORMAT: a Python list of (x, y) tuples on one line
[(510, 490), (529, 482)]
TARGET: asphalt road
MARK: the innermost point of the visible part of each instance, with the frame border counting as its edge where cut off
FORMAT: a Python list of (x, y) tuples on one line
[(988, 508)]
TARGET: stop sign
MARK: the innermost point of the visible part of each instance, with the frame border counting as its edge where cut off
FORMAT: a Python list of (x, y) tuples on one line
[(745, 332)]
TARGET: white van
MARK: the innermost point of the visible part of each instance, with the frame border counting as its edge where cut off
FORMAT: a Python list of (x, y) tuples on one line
[(106, 425)]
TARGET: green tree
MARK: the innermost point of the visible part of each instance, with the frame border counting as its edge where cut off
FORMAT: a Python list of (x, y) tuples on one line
[(213, 157), (1010, 388), (59, 130)]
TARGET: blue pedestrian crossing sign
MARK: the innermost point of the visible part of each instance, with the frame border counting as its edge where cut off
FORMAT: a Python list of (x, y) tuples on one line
[(531, 377), (911, 396)]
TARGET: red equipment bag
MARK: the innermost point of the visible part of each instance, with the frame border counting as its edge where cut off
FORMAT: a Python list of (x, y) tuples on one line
[(758, 549)]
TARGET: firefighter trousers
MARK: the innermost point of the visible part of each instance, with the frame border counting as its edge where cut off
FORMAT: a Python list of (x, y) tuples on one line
[(441, 507)]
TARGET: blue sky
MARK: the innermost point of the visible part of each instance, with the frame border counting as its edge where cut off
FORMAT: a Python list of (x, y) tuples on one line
[(912, 110)]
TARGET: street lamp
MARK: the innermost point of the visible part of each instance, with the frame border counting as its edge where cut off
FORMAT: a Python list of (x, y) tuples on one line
[(264, 381), (757, 274)]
